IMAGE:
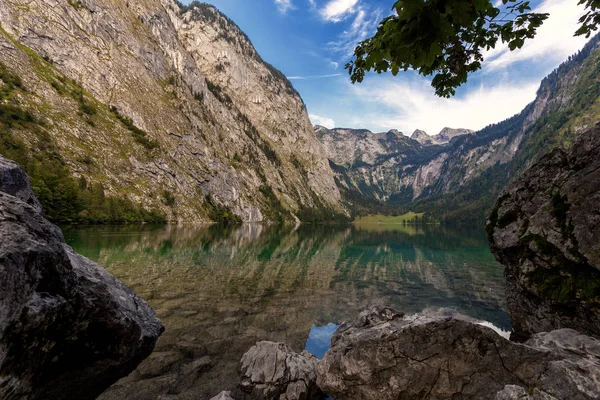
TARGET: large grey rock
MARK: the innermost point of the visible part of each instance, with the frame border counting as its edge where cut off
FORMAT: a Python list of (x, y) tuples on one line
[(515, 392), (274, 371), (223, 396), (578, 364), (545, 230), (14, 181), (387, 355), (68, 329)]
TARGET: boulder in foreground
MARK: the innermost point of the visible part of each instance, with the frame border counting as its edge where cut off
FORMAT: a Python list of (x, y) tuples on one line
[(386, 355), (68, 329), (274, 371)]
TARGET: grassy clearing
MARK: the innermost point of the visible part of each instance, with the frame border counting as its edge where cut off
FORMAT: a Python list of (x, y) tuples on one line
[(379, 219)]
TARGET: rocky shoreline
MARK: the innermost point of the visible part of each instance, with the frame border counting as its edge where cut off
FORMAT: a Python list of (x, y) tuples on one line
[(68, 329), (384, 354), (544, 230)]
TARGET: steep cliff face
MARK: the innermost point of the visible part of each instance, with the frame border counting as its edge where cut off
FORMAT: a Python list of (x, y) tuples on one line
[(170, 107), (460, 180), (386, 166), (544, 229)]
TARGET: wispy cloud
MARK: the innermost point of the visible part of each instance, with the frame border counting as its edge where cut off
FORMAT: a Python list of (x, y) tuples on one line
[(309, 78), (284, 5), (364, 25), (554, 40), (407, 105), (323, 121), (337, 10)]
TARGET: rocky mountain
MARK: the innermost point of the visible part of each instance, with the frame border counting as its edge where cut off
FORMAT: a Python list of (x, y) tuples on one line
[(460, 181), (150, 108), (443, 137), (384, 166)]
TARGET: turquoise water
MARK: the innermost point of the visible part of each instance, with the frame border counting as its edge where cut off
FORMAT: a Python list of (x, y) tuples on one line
[(219, 291)]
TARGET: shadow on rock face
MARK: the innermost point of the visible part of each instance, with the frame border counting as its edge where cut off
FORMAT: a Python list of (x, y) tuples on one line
[(68, 329), (544, 230)]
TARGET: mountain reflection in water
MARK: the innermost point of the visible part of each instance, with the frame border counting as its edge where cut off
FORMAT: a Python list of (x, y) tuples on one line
[(218, 291)]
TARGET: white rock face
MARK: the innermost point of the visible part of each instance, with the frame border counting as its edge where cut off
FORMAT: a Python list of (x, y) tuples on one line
[(382, 165), (229, 126), (444, 137)]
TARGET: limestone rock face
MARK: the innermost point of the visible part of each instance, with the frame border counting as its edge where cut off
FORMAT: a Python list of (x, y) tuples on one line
[(68, 329), (390, 165), (447, 134), (443, 137), (422, 137), (274, 371), (545, 231), (229, 129), (384, 354)]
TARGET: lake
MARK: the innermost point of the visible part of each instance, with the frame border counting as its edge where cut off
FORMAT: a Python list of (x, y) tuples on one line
[(218, 291)]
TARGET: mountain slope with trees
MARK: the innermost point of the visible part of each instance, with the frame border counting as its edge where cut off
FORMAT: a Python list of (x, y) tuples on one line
[(146, 109), (460, 182)]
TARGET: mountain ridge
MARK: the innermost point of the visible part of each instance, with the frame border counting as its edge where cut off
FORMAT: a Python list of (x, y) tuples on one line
[(459, 182), (176, 111)]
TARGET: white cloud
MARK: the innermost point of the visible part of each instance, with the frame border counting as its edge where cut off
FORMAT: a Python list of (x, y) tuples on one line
[(554, 40), (337, 10), (323, 121), (364, 25), (334, 64), (312, 3), (284, 5), (408, 106), (309, 78)]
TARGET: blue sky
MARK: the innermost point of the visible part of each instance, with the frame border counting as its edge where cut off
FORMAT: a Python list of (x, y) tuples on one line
[(311, 40)]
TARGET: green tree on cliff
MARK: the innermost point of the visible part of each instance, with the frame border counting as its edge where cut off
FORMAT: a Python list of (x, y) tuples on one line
[(447, 38)]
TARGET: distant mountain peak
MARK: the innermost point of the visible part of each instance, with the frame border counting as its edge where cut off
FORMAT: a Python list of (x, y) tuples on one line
[(421, 137), (443, 137), (447, 134)]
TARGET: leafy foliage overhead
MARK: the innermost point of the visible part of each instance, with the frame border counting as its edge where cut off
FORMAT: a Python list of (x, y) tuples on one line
[(447, 38)]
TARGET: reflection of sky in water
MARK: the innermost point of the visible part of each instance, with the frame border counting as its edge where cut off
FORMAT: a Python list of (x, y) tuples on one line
[(319, 339), (225, 289)]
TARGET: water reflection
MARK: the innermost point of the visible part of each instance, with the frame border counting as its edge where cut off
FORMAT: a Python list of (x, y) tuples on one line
[(219, 291), (319, 338)]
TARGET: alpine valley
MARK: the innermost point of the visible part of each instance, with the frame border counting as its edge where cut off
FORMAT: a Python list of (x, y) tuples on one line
[(456, 176), (149, 110), (171, 153)]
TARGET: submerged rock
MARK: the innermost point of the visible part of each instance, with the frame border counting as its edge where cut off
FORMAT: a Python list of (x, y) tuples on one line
[(274, 371), (545, 230), (68, 329), (386, 355)]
